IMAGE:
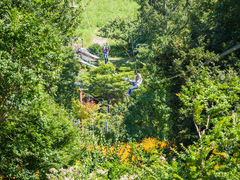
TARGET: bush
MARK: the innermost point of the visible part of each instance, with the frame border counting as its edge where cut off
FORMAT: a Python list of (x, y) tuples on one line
[(32, 143), (97, 50)]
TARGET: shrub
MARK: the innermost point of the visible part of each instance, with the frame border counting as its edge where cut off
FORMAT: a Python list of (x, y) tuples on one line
[(97, 50)]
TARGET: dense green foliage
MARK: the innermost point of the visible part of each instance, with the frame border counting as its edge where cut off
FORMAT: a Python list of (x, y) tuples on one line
[(105, 83), (34, 129), (181, 123), (183, 49), (190, 89), (97, 50)]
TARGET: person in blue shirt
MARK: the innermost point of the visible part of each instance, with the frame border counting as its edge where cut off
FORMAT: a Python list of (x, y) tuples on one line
[(106, 52), (136, 83)]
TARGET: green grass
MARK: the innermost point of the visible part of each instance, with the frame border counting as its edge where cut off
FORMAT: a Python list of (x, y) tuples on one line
[(98, 12)]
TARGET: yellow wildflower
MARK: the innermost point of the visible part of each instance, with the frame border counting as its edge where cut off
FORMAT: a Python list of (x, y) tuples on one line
[(126, 154), (163, 144), (104, 150), (133, 157), (111, 150), (150, 144), (222, 154), (121, 150), (216, 166)]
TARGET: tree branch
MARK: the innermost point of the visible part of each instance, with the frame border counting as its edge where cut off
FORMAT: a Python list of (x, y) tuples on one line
[(198, 130), (234, 48), (208, 119)]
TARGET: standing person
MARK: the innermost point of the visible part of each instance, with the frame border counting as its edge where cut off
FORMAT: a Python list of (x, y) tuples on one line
[(136, 83), (106, 52)]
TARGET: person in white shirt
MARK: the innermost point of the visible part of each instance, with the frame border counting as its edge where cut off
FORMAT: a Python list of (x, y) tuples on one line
[(136, 83)]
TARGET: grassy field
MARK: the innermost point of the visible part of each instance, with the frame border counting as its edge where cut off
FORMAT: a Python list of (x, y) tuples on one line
[(98, 12)]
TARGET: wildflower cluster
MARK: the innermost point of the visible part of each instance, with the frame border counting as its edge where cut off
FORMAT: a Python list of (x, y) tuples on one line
[(135, 152)]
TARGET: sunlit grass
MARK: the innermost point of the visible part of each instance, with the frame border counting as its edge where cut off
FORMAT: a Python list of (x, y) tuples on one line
[(98, 12)]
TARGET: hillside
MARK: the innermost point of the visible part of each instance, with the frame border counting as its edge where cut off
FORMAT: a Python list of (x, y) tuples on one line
[(98, 12)]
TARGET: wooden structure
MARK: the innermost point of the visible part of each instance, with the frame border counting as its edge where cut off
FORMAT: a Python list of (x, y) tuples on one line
[(87, 56)]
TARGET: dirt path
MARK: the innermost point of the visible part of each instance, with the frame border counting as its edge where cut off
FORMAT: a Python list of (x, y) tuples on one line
[(100, 40)]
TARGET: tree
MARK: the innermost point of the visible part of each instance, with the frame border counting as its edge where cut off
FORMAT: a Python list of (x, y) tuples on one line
[(105, 83), (180, 35), (86, 112), (33, 138), (120, 29), (208, 97), (34, 129), (162, 18), (148, 114), (66, 89), (27, 47)]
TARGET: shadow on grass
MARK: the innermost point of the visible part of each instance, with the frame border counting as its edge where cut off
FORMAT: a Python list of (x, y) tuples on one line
[(119, 50), (121, 57)]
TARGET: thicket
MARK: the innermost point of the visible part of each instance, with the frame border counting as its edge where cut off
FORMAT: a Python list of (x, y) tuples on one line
[(34, 56)]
